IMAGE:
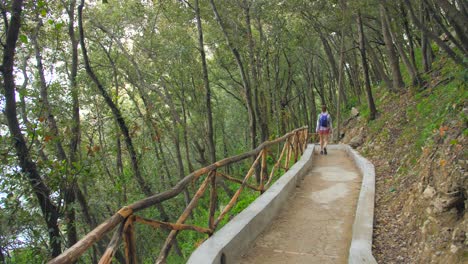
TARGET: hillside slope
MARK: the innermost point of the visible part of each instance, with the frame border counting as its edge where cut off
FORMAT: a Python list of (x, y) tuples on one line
[(418, 145)]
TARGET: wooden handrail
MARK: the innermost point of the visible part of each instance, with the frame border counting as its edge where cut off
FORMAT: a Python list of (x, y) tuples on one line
[(295, 143)]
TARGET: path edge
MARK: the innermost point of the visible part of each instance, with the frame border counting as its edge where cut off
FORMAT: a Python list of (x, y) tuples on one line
[(360, 250), (232, 241)]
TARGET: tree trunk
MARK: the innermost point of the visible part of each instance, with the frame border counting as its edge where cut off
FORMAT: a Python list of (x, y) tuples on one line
[(425, 43), (362, 46), (263, 86), (52, 124), (115, 111), (206, 82), (329, 53), (70, 194), (409, 35), (176, 138), (48, 208), (254, 80), (186, 136), (397, 39), (2, 256), (397, 79), (245, 83), (447, 32), (458, 20), (22, 105), (434, 37), (308, 73), (340, 87)]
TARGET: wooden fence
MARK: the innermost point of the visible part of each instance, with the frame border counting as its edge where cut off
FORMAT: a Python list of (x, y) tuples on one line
[(294, 144)]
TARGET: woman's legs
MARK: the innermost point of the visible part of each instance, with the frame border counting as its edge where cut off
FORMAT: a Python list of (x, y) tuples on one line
[(321, 142), (325, 142)]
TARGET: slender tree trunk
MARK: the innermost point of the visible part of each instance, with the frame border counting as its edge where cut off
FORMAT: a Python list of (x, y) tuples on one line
[(425, 43), (253, 67), (115, 111), (41, 190), (165, 166), (2, 256), (22, 105), (176, 138), (377, 65), (435, 15), (340, 87), (310, 87), (263, 86), (458, 20), (329, 53), (247, 90), (397, 39), (70, 195), (52, 124), (397, 79), (206, 83), (409, 35), (362, 46), (434, 37), (185, 132)]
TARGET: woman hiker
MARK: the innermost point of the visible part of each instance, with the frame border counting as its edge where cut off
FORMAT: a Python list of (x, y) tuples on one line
[(324, 128)]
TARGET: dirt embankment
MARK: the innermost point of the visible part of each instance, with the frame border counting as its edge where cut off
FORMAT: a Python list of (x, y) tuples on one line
[(421, 177)]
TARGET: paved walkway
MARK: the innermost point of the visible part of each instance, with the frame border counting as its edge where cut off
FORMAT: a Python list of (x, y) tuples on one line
[(316, 224)]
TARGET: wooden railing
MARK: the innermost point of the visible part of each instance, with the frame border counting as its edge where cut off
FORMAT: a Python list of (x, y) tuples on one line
[(295, 143)]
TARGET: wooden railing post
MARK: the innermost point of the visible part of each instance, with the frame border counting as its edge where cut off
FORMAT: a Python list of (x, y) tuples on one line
[(289, 153), (296, 146), (233, 200), (213, 200), (167, 244), (129, 239), (113, 245), (277, 164), (264, 170)]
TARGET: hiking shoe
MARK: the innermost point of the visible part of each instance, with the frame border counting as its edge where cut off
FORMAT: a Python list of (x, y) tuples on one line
[(325, 151), (321, 152)]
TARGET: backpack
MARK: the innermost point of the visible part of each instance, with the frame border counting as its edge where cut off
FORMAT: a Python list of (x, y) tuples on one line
[(323, 120)]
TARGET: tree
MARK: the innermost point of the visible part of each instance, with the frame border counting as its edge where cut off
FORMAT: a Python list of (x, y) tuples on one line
[(397, 79), (243, 74), (42, 191), (362, 47)]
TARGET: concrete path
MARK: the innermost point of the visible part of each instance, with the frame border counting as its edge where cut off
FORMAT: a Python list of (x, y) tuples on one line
[(316, 224)]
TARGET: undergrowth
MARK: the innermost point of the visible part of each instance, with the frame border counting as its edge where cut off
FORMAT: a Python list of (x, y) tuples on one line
[(190, 240)]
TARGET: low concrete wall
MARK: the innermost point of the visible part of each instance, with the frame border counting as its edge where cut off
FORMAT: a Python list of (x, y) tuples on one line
[(229, 243), (360, 250)]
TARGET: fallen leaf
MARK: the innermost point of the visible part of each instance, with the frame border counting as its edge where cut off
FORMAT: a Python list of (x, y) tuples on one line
[(442, 130), (442, 162)]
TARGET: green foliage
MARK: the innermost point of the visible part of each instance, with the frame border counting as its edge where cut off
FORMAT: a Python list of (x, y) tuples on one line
[(27, 255)]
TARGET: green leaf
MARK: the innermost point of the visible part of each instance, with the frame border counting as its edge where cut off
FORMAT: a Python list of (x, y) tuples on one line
[(43, 12), (58, 26), (24, 39)]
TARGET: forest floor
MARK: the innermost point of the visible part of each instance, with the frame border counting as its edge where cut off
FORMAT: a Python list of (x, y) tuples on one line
[(416, 144)]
